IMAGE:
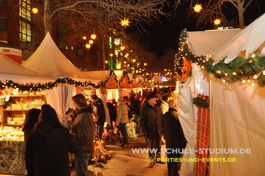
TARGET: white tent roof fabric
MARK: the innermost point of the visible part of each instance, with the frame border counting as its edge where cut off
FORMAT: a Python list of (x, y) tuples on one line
[(102, 74), (49, 60), (248, 40), (10, 70), (206, 42)]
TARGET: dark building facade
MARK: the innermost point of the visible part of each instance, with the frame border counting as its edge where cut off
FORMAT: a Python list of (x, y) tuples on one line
[(21, 29)]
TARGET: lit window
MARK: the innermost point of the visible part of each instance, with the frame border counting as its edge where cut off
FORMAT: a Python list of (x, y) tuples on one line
[(25, 21), (3, 24)]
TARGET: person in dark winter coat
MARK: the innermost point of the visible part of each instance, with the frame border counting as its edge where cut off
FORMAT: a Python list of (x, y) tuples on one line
[(150, 121), (99, 112), (32, 118), (83, 130), (112, 113), (175, 139), (48, 145)]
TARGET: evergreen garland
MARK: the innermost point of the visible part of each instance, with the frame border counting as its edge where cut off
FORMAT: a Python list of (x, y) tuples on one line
[(250, 70), (200, 102)]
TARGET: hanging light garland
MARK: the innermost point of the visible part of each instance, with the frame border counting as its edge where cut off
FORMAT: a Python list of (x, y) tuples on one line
[(49, 85), (45, 86), (247, 70)]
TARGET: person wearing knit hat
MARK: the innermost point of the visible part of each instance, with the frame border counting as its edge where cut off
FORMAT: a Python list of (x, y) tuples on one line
[(150, 96), (48, 145), (150, 122)]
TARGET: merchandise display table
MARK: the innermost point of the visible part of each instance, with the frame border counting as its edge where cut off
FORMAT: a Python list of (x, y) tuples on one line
[(12, 157)]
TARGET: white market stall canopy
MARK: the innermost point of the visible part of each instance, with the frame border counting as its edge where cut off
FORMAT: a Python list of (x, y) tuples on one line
[(49, 60), (10, 70), (102, 75), (244, 43), (204, 43)]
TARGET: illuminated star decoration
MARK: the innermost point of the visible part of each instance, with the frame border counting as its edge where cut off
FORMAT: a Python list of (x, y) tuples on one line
[(197, 8), (217, 21), (125, 22), (35, 10)]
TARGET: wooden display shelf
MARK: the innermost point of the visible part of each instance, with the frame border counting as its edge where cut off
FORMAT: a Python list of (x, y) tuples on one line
[(15, 109), (40, 95), (9, 124)]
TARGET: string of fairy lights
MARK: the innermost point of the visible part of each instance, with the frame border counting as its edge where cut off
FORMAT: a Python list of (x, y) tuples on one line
[(49, 85), (249, 70)]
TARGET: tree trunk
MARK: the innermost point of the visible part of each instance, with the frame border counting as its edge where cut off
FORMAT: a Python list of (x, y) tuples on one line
[(46, 16), (241, 11)]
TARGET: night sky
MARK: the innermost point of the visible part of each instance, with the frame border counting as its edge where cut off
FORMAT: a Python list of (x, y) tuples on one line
[(164, 36)]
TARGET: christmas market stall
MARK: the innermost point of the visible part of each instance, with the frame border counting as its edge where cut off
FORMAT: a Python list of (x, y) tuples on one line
[(236, 91), (237, 100), (50, 61), (20, 90), (194, 82)]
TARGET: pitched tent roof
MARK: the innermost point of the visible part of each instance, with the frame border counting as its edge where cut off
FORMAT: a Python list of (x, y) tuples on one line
[(10, 70), (206, 42), (49, 60), (102, 75), (244, 43)]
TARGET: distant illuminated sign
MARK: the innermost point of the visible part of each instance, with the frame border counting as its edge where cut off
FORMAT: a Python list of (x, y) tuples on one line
[(164, 79)]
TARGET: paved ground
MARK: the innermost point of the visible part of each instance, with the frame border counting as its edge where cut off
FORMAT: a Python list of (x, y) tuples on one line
[(124, 162)]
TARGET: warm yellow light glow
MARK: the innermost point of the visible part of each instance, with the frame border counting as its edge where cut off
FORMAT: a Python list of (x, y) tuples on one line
[(35, 10), (91, 42), (197, 8), (243, 81), (255, 76), (234, 73), (145, 64), (263, 72), (165, 70), (217, 21), (124, 62), (134, 60), (106, 62), (253, 84), (125, 22), (122, 48), (118, 65), (93, 36), (223, 80), (88, 46), (111, 55), (84, 37)]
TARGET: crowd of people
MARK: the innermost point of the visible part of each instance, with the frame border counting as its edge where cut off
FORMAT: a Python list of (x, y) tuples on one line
[(48, 142)]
